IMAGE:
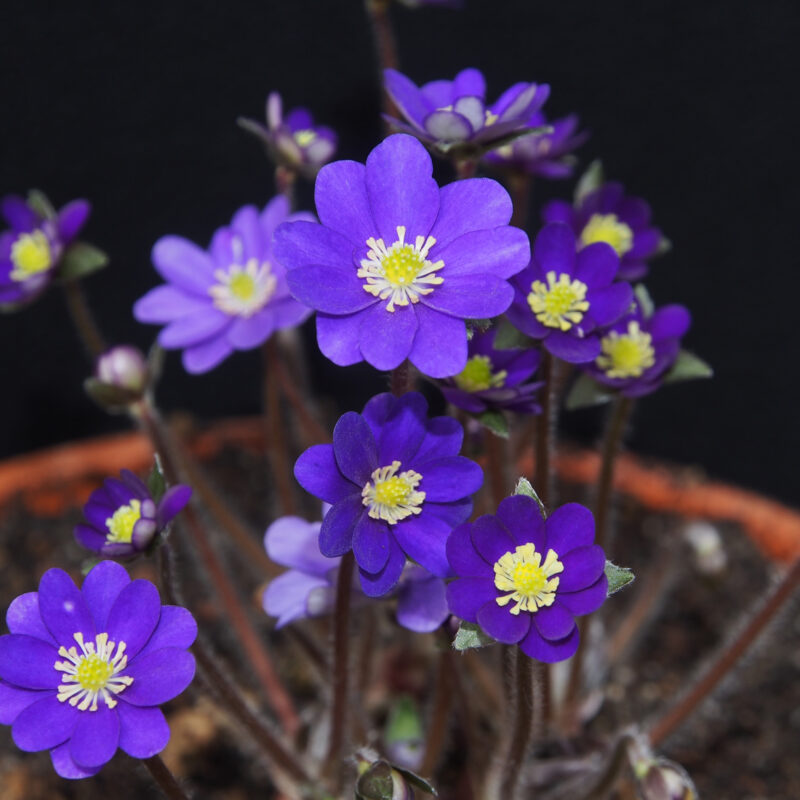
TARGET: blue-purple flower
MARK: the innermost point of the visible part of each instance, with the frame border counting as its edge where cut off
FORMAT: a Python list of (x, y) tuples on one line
[(524, 579), (565, 296), (231, 297), (638, 351), (123, 518), (397, 264), (495, 380), (84, 671), (548, 155), (308, 587), (32, 249), (397, 487), (294, 141), (607, 214), (448, 114)]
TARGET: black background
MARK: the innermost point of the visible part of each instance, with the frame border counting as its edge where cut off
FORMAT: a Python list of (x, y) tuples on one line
[(690, 104)]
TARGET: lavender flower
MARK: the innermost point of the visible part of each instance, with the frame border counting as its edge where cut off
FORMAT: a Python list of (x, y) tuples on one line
[(293, 141), (495, 380), (398, 264), (548, 155), (564, 297), (83, 671), (524, 579), (123, 517), (308, 587), (31, 251), (231, 297), (448, 114), (607, 214), (397, 487)]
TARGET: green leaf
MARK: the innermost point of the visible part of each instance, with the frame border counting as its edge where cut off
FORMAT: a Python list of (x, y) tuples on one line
[(525, 487), (416, 780), (509, 338), (688, 367), (495, 422), (404, 723), (645, 301), (376, 782), (81, 259), (592, 179), (470, 636), (586, 392), (156, 482), (39, 202), (618, 577)]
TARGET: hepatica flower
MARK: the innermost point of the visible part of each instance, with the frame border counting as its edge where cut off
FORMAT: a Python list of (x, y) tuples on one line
[(564, 296), (123, 518), (31, 250), (231, 297), (397, 264), (84, 671), (524, 579), (607, 214), (495, 380), (397, 487)]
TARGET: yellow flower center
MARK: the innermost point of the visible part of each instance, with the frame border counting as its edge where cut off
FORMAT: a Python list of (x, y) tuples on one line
[(610, 229), (91, 671), (242, 286), (243, 290), (305, 137), (528, 582), (30, 255), (392, 497), (490, 117), (626, 355), (120, 524), (477, 375), (559, 303), (402, 272)]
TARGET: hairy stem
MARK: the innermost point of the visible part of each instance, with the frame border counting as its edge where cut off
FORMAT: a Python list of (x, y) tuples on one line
[(519, 187), (523, 724), (166, 781), (442, 699), (83, 319), (545, 428), (400, 379), (497, 464), (378, 12)]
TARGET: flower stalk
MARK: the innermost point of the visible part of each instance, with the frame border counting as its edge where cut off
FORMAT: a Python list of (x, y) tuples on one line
[(166, 781)]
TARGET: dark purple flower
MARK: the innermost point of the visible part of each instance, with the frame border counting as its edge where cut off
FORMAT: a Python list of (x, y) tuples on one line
[(637, 351), (231, 297), (548, 155), (32, 249), (122, 518), (294, 141), (607, 214), (447, 114), (308, 588), (84, 671), (564, 296), (524, 579), (495, 380), (397, 487), (398, 264)]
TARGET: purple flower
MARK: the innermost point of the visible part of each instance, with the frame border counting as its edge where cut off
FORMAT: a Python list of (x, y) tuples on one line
[(397, 487), (32, 249), (448, 114), (398, 264), (564, 296), (294, 141), (84, 671), (308, 588), (607, 214), (495, 380), (637, 351), (548, 155), (123, 518), (231, 297), (524, 579)]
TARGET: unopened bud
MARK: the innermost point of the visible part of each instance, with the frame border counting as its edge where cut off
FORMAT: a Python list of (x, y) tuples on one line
[(666, 780), (379, 780), (121, 377)]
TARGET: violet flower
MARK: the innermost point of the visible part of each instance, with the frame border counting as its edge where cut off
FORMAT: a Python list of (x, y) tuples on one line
[(231, 297), (564, 297), (84, 671), (495, 380), (397, 487), (607, 214), (524, 579), (397, 264), (454, 114), (123, 518), (31, 250)]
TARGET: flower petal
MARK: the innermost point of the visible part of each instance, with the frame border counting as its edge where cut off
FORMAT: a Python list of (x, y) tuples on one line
[(338, 338), (332, 289), (354, 448), (101, 588), (176, 628), (465, 596), (23, 617), (143, 732), (403, 430), (583, 566), (292, 542), (173, 501), (475, 204), (44, 724), (406, 95), (340, 195), (379, 583), (206, 355), (134, 617), (19, 215), (597, 265), (608, 305), (440, 346), (63, 609), (554, 248), (336, 533), (450, 478), (14, 700), (285, 597), (71, 219), (245, 333), (669, 322), (95, 738), (464, 559), (501, 624), (587, 600), (424, 540), (524, 521), (386, 337), (298, 244), (491, 539), (443, 437), (371, 545), (422, 602), (573, 349), (554, 622), (158, 676), (502, 251), (318, 473), (194, 329), (549, 652), (183, 263), (569, 527), (473, 296)]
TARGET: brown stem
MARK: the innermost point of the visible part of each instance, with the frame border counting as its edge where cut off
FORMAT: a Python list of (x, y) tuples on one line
[(523, 724), (437, 733), (466, 168), (378, 12), (167, 782), (605, 782), (400, 379), (82, 318), (284, 183), (727, 659), (497, 465), (519, 187), (545, 428)]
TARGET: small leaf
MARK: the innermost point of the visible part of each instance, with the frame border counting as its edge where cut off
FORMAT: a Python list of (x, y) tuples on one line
[(112, 398), (495, 422), (416, 780), (39, 202), (404, 723), (81, 259), (688, 367), (586, 392), (525, 487), (592, 179), (156, 483), (470, 636), (645, 301), (376, 782), (509, 338), (618, 577)]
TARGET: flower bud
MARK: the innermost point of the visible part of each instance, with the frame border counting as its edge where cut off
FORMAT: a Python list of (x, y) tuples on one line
[(121, 377), (666, 780), (379, 780)]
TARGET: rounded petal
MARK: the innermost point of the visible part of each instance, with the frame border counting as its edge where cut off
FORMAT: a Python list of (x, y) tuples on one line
[(292, 542), (71, 218), (608, 305), (669, 322), (338, 338), (336, 533), (422, 603), (569, 527), (424, 540), (183, 263), (166, 303), (474, 204), (44, 724), (65, 766), (23, 617), (536, 646), (158, 676), (298, 244), (501, 624), (443, 437), (318, 473), (406, 95), (174, 500), (101, 588), (286, 596), (403, 429), (465, 596), (63, 608), (134, 617), (597, 265), (14, 700), (245, 333), (386, 337), (554, 622), (194, 329), (332, 289), (502, 251), (523, 519), (587, 600), (469, 81), (206, 355), (371, 545), (573, 349), (583, 566), (19, 215), (176, 628), (473, 296), (450, 478), (453, 513), (246, 225), (143, 732), (447, 126), (354, 448), (464, 559), (95, 738), (379, 583), (340, 195), (554, 248), (491, 539), (440, 346)]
